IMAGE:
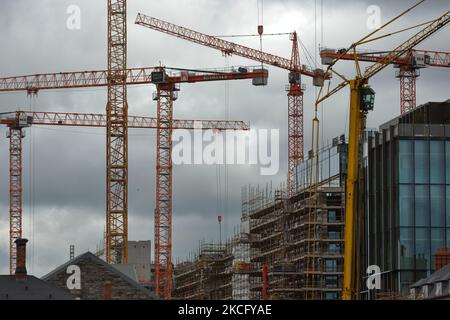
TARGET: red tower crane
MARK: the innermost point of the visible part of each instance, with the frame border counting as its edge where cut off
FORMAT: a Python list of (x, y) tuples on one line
[(409, 66), (167, 87), (17, 121), (295, 90), (166, 94)]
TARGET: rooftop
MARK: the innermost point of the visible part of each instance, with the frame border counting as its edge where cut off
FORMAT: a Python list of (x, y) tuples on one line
[(30, 289)]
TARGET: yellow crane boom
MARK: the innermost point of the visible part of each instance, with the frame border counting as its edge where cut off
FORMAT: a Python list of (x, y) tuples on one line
[(362, 101)]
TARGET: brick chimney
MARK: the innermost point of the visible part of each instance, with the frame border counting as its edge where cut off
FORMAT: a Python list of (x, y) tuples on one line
[(21, 269), (108, 290), (442, 258)]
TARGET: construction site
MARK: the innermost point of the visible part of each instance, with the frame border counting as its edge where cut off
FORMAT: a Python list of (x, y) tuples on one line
[(351, 200)]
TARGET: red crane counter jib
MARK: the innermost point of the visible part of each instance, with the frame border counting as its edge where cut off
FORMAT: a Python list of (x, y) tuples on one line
[(135, 76)]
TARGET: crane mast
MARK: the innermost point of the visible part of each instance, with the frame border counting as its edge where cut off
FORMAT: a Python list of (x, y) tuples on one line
[(15, 135), (295, 116), (117, 136)]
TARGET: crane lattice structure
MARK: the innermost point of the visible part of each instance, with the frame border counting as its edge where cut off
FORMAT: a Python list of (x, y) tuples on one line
[(18, 121), (117, 136), (293, 65), (409, 66), (166, 82)]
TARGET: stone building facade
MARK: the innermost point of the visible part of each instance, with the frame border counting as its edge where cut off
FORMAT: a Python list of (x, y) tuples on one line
[(89, 278)]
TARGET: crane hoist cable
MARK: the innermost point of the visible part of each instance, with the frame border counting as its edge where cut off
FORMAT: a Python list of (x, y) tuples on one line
[(227, 117), (32, 184), (309, 58), (310, 213), (316, 197), (260, 4)]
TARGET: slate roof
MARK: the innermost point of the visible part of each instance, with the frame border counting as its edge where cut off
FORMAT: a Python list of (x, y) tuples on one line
[(30, 289), (442, 275), (127, 269), (94, 258)]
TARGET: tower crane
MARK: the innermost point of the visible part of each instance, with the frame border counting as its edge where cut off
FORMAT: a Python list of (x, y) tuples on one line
[(117, 135), (167, 92), (165, 95), (409, 66), (295, 88), (18, 121), (361, 102)]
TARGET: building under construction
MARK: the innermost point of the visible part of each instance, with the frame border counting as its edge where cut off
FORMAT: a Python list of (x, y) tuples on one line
[(220, 271), (207, 276), (287, 247)]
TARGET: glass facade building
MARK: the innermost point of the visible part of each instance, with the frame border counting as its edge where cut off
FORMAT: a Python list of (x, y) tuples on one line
[(332, 166), (408, 195)]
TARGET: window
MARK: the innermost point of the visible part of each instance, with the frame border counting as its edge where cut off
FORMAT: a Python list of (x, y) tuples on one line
[(437, 206), (437, 162), (423, 249), (421, 161), (332, 216), (330, 265), (325, 167), (406, 280), (331, 296), (406, 248), (333, 248), (447, 160), (333, 235), (331, 282), (406, 202), (422, 208), (448, 206), (437, 242), (448, 238)]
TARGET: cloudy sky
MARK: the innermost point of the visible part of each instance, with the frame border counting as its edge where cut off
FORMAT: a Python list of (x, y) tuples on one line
[(64, 168)]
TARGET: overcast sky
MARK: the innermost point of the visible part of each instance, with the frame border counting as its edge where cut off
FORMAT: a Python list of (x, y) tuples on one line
[(64, 168)]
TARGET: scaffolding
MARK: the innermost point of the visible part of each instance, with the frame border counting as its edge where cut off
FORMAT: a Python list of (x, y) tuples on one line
[(245, 275), (205, 276), (299, 238)]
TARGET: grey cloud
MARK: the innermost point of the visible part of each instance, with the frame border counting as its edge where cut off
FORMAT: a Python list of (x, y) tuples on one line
[(69, 167)]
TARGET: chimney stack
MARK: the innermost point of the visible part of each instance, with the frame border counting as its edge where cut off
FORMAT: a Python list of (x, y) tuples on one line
[(108, 290), (21, 269), (442, 258)]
